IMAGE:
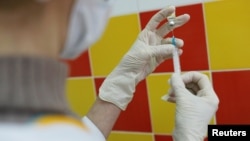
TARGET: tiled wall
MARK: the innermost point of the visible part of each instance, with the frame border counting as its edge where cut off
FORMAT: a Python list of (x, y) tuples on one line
[(217, 43)]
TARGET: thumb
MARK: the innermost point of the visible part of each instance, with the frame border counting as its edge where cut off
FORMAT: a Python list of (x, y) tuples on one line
[(170, 96)]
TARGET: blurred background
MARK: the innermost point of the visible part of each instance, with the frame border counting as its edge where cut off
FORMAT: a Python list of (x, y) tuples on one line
[(217, 43)]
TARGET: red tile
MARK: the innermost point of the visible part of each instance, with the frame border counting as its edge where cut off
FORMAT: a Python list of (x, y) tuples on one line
[(163, 138), (137, 117), (195, 55), (167, 138), (233, 91), (80, 66), (145, 17), (98, 83)]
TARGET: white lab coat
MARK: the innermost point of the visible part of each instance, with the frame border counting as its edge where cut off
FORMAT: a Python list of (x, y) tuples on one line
[(51, 131)]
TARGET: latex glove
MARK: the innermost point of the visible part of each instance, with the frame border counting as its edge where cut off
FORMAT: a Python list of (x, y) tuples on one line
[(148, 51), (196, 104)]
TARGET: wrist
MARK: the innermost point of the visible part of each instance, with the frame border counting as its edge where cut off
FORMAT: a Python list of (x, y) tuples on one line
[(118, 88)]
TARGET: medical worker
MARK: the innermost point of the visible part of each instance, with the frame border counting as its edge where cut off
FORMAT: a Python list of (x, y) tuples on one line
[(36, 34)]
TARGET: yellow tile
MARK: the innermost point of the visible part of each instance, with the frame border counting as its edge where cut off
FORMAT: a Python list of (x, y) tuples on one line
[(213, 121), (80, 94), (130, 137), (228, 30), (116, 41), (162, 113)]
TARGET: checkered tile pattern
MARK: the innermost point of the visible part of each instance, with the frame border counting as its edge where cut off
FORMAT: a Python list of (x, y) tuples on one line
[(217, 43)]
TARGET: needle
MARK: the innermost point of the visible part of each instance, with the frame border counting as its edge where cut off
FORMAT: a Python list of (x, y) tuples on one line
[(176, 59)]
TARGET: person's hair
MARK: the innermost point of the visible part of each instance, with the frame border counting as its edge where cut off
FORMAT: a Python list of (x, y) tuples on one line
[(13, 4)]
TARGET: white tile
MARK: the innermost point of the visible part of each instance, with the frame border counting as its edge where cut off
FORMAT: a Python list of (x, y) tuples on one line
[(147, 5), (124, 7)]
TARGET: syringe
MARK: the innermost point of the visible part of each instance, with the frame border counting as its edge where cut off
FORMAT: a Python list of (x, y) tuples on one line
[(176, 60)]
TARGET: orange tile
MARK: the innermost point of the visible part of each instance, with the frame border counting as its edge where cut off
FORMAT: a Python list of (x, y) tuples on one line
[(80, 94), (162, 112), (228, 33), (119, 36)]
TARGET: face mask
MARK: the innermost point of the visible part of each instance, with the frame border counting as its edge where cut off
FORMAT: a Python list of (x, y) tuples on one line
[(87, 23), (88, 20)]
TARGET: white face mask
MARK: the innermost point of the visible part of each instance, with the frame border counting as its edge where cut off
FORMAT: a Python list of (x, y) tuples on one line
[(87, 23), (88, 20)]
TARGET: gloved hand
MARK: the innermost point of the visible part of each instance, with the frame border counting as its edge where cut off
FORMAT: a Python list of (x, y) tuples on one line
[(148, 51), (196, 104)]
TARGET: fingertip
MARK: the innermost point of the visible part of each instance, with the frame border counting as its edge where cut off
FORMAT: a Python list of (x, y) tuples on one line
[(179, 42), (180, 51), (165, 97), (159, 17), (171, 7), (187, 16), (168, 98)]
